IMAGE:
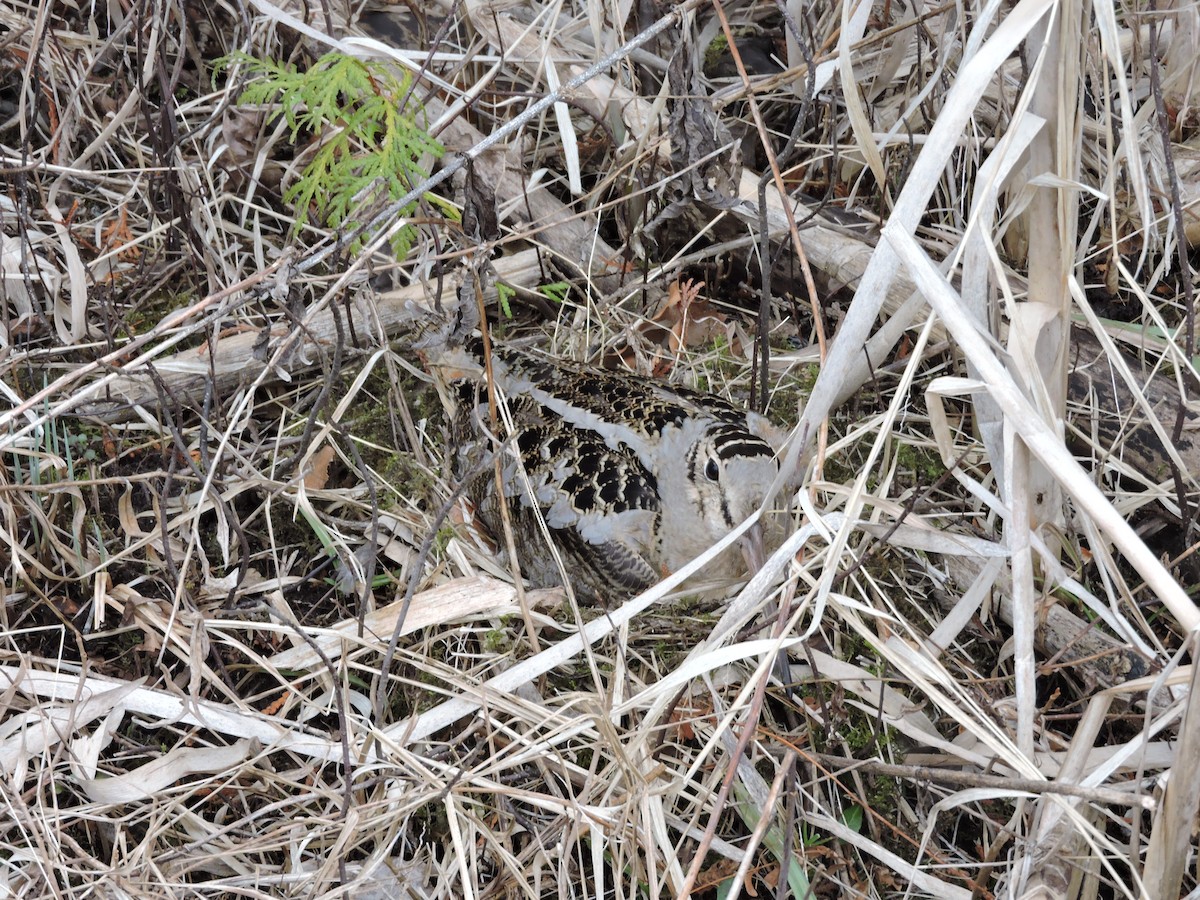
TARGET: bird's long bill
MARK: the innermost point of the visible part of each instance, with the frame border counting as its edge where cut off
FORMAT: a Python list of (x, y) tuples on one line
[(753, 550)]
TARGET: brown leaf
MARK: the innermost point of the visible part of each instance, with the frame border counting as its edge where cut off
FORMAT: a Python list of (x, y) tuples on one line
[(318, 473)]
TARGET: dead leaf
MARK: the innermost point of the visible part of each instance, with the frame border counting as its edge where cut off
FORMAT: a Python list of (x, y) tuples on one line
[(318, 473)]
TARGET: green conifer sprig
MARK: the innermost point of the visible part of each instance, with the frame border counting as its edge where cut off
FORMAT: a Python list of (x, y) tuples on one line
[(367, 141)]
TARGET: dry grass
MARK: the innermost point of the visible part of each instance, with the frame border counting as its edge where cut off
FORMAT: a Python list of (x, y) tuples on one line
[(246, 652)]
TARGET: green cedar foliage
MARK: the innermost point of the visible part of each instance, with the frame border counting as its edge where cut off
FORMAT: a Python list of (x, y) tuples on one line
[(365, 121)]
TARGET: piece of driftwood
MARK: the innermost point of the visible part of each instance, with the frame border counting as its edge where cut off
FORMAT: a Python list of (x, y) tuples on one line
[(236, 360), (1068, 642), (1128, 430)]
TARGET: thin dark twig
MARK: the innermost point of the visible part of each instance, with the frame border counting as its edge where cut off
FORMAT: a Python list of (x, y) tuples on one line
[(1185, 268), (434, 45), (344, 728), (762, 345), (414, 577), (372, 539), (332, 373), (1113, 796), (170, 405)]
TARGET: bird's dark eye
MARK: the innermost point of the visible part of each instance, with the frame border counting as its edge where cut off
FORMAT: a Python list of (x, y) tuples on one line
[(712, 470)]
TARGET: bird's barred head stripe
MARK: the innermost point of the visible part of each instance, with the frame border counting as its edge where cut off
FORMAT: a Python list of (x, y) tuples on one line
[(731, 444)]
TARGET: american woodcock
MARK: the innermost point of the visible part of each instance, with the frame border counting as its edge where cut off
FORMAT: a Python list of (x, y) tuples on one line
[(632, 477)]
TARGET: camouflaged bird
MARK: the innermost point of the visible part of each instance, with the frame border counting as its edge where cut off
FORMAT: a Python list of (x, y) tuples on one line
[(633, 478)]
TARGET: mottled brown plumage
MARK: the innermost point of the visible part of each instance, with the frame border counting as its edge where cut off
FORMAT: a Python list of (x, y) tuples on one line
[(633, 477)]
